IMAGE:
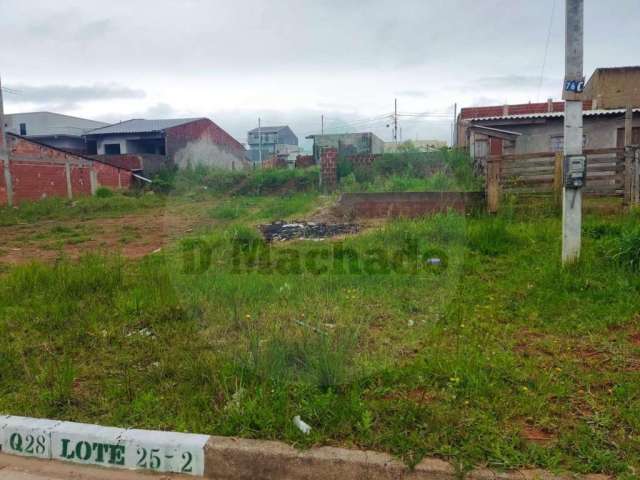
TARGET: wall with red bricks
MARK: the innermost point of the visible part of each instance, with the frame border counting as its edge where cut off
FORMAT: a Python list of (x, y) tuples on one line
[(304, 161), (3, 185), (128, 161), (329, 168), (39, 171)]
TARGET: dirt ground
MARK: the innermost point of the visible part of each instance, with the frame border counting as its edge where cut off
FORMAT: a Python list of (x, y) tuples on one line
[(132, 235)]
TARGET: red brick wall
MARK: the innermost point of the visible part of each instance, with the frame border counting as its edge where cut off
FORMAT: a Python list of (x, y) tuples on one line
[(304, 161), (37, 180), (329, 168), (178, 137), (128, 161), (3, 185), (519, 109), (39, 171)]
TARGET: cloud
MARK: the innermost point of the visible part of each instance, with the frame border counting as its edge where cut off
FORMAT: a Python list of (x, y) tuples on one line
[(69, 97)]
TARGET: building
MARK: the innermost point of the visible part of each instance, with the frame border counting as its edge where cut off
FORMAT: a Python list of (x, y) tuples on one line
[(275, 141), (53, 129), (37, 171), (365, 143), (158, 144), (614, 87), (539, 127)]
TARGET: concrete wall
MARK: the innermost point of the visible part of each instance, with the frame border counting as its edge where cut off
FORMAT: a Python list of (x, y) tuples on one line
[(39, 171), (203, 143), (614, 88)]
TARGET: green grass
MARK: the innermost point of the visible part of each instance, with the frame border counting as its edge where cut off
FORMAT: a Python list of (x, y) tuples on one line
[(457, 361), (106, 204)]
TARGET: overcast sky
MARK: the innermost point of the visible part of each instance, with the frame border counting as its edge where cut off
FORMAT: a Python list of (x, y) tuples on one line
[(289, 61)]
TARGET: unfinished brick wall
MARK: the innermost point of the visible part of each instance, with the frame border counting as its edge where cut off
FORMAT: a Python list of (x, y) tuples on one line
[(304, 161), (39, 171), (329, 168)]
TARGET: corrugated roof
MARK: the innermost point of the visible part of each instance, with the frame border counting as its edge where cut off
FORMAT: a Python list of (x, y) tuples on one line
[(140, 125), (586, 113), (269, 129)]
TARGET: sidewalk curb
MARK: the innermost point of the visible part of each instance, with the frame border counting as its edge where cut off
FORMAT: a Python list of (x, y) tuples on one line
[(219, 458)]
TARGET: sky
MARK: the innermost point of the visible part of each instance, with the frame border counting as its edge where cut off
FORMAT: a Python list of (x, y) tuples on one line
[(293, 61)]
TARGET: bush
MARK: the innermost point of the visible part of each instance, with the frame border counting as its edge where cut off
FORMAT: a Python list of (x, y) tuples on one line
[(104, 192)]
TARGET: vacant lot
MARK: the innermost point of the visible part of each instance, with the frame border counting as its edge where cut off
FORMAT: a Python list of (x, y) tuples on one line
[(494, 355)]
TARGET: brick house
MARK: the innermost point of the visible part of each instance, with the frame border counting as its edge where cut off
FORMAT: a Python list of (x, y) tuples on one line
[(36, 171), (156, 144)]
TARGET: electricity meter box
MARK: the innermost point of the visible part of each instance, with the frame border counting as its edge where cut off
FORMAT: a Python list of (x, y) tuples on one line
[(575, 171)]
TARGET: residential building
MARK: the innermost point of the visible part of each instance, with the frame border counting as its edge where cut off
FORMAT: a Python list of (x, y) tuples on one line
[(278, 140), (157, 144), (347, 144), (53, 129), (539, 127), (614, 87)]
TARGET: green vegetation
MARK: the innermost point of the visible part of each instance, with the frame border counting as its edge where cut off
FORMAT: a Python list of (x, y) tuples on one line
[(411, 170), (103, 205), (497, 356)]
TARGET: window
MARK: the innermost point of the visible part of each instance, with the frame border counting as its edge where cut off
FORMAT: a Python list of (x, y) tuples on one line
[(23, 129), (112, 149)]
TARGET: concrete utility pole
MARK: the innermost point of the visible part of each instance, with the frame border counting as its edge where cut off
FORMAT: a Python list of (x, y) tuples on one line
[(4, 154), (322, 124), (574, 162), (454, 143), (395, 121)]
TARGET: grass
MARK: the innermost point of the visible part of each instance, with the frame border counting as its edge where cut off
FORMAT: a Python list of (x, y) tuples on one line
[(497, 357), (55, 208)]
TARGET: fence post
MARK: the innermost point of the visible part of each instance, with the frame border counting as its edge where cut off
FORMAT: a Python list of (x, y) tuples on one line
[(628, 156), (67, 172), (557, 179), (493, 183)]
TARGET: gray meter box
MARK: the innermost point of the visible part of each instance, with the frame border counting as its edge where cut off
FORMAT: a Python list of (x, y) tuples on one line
[(575, 171)]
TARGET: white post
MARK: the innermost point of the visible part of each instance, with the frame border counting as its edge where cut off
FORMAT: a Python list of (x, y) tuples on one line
[(574, 82), (4, 154)]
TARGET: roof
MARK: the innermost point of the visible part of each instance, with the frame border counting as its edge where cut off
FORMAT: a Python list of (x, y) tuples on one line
[(269, 129), (497, 131), (140, 125), (48, 124), (338, 134), (585, 113), (629, 68)]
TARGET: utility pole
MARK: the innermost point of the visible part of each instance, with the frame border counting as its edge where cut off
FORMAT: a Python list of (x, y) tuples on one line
[(4, 154), (395, 121), (259, 144), (454, 143), (574, 161), (322, 124)]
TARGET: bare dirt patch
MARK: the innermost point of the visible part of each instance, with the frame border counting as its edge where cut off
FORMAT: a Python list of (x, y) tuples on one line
[(132, 236)]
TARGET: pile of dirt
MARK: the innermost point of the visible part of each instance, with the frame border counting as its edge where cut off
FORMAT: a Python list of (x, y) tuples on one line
[(282, 230)]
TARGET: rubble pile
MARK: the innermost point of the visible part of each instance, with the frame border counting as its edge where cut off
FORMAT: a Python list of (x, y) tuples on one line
[(282, 231)]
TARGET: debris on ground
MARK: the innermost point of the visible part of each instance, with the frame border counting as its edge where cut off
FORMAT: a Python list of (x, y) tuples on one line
[(282, 230), (302, 426)]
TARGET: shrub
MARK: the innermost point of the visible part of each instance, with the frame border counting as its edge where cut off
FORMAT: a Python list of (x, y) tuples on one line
[(104, 192)]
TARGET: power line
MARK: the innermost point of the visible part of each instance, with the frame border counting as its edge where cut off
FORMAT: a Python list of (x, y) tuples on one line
[(546, 49)]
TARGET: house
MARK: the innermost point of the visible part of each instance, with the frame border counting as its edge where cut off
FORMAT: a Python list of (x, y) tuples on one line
[(267, 142), (347, 144), (539, 127), (157, 144), (614, 87), (53, 129)]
